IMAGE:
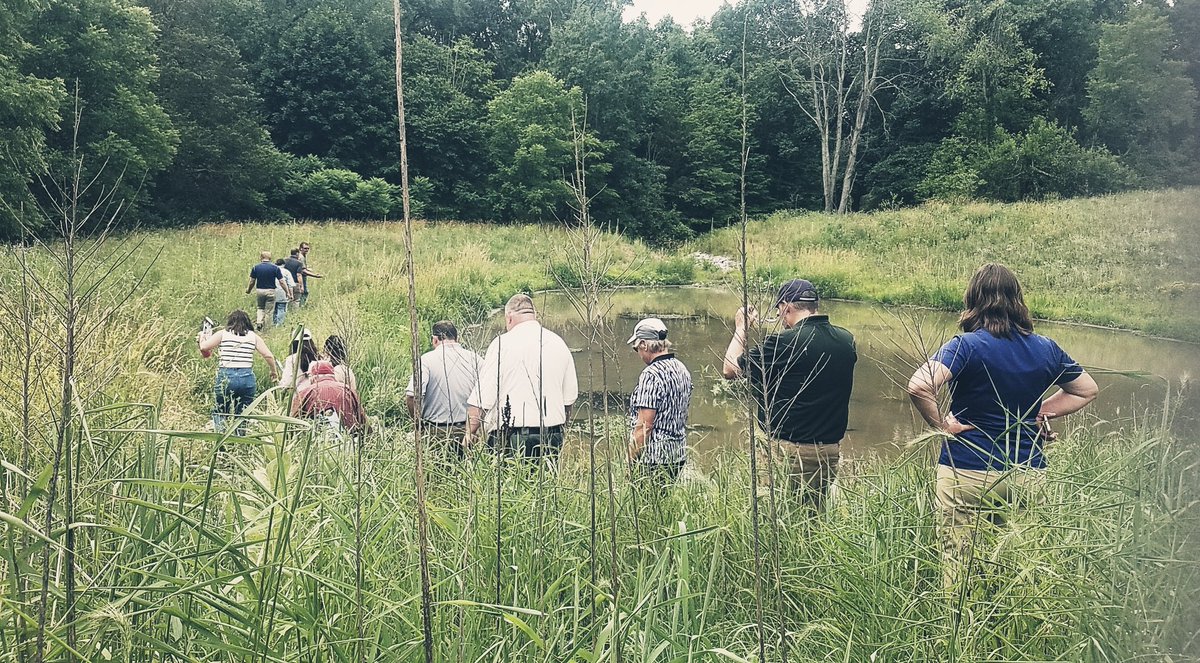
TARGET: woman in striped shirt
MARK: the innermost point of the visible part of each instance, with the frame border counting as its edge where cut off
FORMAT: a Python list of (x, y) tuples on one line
[(658, 406), (235, 387)]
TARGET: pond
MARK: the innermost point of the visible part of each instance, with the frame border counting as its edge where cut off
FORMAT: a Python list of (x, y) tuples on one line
[(1139, 377)]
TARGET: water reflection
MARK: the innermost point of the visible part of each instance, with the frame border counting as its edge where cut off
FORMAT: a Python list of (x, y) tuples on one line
[(1137, 375)]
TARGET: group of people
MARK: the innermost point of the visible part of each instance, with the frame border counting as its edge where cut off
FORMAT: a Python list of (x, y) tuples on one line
[(517, 398), (280, 283), (323, 385), (997, 370)]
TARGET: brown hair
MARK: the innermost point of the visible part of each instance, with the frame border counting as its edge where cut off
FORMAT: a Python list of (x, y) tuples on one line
[(993, 301), (238, 322), (335, 347)]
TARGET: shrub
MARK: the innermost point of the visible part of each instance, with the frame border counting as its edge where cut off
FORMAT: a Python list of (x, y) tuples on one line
[(373, 199), (1044, 161), (322, 194)]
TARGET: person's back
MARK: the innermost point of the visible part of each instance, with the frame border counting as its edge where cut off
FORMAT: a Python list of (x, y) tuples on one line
[(997, 388), (527, 387), (802, 379), (536, 375), (450, 373), (326, 396), (293, 264)]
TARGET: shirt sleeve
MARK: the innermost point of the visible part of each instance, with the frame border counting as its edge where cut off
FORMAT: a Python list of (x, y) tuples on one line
[(954, 355), (752, 361), (408, 391), (570, 379), (484, 397), (1067, 368), (646, 395)]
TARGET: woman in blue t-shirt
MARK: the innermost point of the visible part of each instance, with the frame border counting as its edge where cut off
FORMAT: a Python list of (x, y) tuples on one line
[(996, 426)]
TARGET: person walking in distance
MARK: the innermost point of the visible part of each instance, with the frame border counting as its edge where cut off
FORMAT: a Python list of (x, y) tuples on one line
[(235, 386), (528, 373), (449, 376), (265, 277), (283, 294), (801, 379), (658, 406), (306, 273), (295, 267), (995, 429)]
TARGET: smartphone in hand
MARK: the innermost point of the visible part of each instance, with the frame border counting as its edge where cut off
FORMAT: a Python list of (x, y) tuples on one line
[(206, 330)]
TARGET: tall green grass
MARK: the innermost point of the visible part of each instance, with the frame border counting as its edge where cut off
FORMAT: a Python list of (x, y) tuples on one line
[(285, 545), (290, 546)]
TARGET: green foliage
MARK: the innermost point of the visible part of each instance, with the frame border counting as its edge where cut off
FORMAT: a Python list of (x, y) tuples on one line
[(1043, 161), (226, 165), (29, 109), (336, 193), (105, 50), (200, 108), (446, 91), (329, 92), (532, 143), (1142, 103)]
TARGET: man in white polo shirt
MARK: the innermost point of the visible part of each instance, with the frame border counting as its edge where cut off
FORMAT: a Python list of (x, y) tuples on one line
[(527, 385)]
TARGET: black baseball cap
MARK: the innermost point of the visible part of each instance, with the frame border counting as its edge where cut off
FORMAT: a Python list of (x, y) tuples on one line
[(797, 290)]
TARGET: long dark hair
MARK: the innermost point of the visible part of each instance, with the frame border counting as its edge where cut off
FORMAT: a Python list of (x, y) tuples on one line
[(993, 301), (238, 322), (335, 347), (305, 351)]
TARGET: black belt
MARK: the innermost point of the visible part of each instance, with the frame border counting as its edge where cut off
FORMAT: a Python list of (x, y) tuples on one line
[(526, 430), (434, 423)]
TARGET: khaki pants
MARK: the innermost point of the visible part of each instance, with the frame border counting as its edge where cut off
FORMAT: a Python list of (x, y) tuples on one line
[(810, 468), (971, 502), (446, 439)]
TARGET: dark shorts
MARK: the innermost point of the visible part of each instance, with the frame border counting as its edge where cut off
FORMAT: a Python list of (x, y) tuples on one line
[(527, 442)]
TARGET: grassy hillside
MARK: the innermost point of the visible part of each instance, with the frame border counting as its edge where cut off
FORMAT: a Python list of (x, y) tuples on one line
[(1127, 260)]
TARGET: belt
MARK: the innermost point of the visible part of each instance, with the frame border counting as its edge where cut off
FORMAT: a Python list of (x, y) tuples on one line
[(815, 443), (442, 425), (526, 430)]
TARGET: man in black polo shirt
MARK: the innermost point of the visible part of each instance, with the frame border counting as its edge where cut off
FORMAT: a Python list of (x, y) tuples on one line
[(801, 378)]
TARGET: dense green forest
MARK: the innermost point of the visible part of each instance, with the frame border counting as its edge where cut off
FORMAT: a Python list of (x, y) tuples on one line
[(195, 110)]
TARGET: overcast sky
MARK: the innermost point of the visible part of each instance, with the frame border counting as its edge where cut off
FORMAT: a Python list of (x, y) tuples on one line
[(686, 11), (683, 11)]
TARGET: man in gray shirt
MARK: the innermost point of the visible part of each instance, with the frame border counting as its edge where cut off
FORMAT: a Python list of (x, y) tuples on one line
[(449, 376)]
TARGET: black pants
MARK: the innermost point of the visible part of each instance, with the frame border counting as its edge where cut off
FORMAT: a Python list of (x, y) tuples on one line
[(531, 443)]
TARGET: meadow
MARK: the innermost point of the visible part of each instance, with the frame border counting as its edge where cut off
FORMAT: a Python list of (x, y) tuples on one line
[(165, 542)]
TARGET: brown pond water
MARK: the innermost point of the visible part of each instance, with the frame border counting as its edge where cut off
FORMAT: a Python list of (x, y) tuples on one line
[(1137, 375)]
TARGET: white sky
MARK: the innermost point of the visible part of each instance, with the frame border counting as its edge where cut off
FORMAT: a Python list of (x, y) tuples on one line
[(686, 11), (683, 11)]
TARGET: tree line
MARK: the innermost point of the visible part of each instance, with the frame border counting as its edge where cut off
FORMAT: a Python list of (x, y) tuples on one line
[(195, 110)]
